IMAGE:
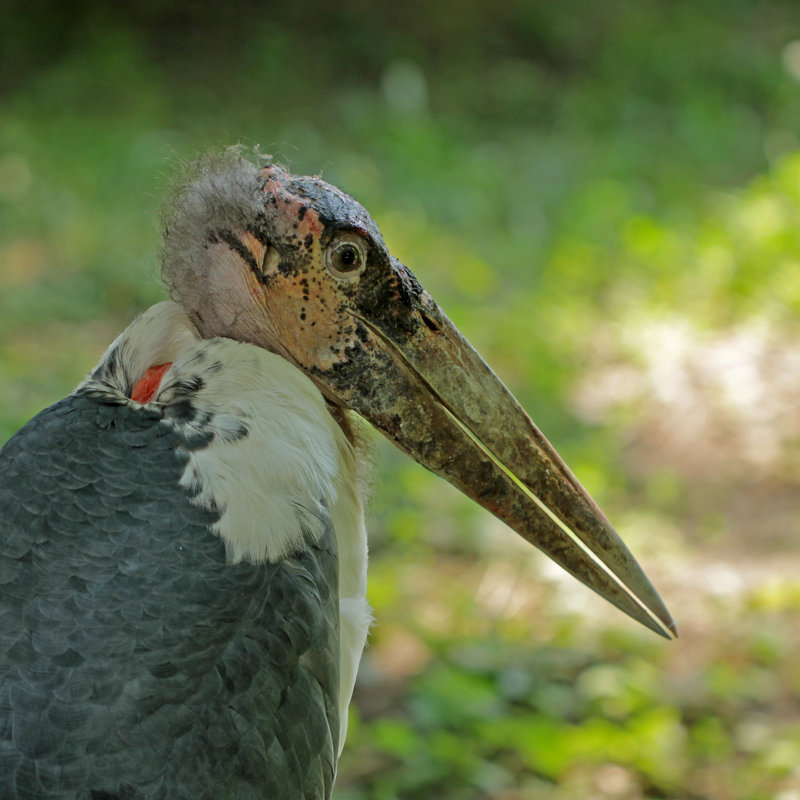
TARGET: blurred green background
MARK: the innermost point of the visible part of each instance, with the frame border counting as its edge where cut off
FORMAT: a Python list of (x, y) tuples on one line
[(605, 197)]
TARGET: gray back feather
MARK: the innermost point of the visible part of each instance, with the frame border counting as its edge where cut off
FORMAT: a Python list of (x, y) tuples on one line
[(134, 662)]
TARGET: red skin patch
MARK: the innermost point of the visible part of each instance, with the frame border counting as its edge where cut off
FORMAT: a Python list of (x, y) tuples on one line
[(145, 390)]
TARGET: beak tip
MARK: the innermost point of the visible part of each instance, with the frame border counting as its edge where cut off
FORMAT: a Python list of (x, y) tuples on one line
[(661, 622), (664, 624)]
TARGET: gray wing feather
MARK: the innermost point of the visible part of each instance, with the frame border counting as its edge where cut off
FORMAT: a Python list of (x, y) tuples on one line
[(134, 662)]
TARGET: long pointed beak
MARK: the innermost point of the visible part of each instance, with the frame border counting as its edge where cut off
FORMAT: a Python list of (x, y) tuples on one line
[(377, 343), (424, 386)]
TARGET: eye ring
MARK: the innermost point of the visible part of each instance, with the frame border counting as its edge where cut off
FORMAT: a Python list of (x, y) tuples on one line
[(346, 256)]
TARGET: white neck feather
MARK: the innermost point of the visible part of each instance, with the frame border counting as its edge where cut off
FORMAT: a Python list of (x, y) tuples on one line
[(277, 463)]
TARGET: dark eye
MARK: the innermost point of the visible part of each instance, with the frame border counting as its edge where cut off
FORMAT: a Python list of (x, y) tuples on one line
[(346, 256)]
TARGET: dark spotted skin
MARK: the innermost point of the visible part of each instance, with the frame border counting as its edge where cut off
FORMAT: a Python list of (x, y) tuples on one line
[(386, 283), (387, 293), (135, 663), (335, 329)]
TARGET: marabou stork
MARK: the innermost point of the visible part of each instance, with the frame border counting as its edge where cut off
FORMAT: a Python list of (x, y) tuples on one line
[(182, 544)]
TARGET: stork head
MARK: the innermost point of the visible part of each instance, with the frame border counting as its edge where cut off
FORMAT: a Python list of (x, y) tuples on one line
[(296, 266)]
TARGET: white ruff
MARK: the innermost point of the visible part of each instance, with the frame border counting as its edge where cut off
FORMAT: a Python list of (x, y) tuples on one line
[(275, 484)]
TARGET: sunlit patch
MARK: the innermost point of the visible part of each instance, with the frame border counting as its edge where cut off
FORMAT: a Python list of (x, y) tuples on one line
[(791, 59)]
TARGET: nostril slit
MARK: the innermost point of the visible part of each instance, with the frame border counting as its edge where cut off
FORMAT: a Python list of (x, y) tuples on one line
[(430, 324)]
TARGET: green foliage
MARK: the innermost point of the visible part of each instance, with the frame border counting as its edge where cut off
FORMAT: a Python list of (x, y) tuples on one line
[(605, 197)]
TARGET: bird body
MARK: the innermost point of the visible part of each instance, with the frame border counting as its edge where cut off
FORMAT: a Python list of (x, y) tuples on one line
[(181, 625), (182, 543)]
